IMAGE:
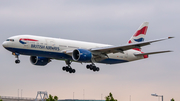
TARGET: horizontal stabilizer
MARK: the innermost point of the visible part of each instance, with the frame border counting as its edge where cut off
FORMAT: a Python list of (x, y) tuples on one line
[(149, 53)]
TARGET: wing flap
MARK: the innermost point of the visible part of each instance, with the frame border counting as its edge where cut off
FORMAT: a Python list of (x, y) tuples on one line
[(150, 53)]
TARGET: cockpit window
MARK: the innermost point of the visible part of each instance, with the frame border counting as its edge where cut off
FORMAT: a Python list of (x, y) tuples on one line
[(10, 40)]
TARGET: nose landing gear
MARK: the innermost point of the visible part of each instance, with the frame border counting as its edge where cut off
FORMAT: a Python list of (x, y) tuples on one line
[(17, 61)]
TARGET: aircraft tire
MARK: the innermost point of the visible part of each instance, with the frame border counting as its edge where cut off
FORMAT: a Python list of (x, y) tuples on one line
[(17, 61), (97, 69), (64, 68), (67, 69), (94, 68), (91, 67), (88, 66), (73, 70)]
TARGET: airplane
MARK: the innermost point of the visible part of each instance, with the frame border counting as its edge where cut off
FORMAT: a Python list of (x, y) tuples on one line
[(43, 49)]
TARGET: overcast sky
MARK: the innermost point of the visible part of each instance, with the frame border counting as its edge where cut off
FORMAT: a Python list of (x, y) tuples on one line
[(102, 21)]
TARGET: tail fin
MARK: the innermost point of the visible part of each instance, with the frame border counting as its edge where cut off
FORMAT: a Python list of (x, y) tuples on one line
[(140, 33)]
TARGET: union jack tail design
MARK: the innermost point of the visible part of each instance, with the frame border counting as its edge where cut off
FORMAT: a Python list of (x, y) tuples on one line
[(140, 33), (139, 36)]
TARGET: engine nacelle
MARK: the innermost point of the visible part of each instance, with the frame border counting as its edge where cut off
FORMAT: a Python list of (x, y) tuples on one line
[(40, 61), (82, 55)]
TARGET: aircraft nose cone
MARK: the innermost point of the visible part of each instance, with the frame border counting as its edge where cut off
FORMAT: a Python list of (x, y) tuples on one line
[(4, 44)]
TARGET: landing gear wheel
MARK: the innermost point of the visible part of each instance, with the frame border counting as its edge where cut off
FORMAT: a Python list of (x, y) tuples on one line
[(91, 67), (97, 69), (73, 70), (88, 66), (17, 61), (94, 68), (67, 69), (64, 68), (70, 71)]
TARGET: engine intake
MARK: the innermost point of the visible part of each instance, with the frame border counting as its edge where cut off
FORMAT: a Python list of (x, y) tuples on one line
[(82, 55), (40, 61)]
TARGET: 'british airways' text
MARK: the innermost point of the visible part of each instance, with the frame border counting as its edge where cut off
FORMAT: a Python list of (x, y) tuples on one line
[(45, 47)]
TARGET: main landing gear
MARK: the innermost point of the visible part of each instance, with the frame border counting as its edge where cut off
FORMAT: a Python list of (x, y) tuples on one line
[(93, 67), (68, 68), (17, 61)]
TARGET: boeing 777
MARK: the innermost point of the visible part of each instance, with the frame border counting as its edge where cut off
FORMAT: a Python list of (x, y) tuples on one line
[(43, 49)]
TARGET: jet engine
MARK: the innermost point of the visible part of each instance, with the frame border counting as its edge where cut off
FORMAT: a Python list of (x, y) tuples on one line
[(82, 55), (40, 61)]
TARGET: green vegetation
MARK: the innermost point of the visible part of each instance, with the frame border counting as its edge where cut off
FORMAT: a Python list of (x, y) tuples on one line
[(51, 98), (172, 99), (0, 99), (110, 97)]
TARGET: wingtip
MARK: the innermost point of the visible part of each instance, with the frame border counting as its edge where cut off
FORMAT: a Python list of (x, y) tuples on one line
[(170, 51), (170, 37)]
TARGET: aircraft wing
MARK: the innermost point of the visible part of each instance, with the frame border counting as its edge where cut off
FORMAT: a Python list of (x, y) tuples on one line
[(115, 49)]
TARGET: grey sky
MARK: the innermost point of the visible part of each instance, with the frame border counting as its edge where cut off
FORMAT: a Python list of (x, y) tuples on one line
[(103, 21)]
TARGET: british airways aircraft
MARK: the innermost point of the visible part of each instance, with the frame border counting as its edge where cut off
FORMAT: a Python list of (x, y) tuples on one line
[(43, 49)]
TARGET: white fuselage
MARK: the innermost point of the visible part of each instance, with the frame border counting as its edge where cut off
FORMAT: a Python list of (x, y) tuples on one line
[(56, 48)]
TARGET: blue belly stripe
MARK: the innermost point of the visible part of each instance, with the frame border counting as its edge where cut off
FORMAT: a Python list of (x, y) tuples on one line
[(46, 54), (57, 55)]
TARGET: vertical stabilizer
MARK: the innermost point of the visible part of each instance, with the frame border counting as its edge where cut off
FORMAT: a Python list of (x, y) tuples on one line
[(140, 33)]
